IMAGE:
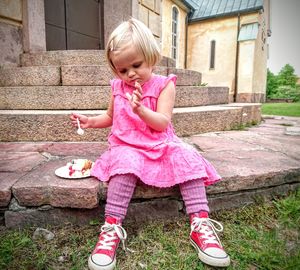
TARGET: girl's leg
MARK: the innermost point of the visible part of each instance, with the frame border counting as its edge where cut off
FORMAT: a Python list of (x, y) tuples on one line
[(194, 196), (204, 230), (119, 193)]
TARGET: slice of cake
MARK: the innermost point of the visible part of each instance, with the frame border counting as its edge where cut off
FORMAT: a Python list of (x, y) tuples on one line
[(79, 167)]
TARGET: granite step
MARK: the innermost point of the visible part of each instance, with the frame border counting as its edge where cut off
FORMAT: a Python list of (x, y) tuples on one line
[(94, 97), (30, 76), (54, 125), (255, 164), (80, 75), (74, 58), (101, 75)]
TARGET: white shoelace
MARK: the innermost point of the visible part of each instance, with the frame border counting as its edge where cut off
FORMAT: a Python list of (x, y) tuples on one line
[(112, 232), (208, 228)]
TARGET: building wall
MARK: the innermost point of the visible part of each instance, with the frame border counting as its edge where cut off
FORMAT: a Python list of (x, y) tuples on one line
[(166, 44), (147, 11), (252, 64), (10, 32), (200, 35)]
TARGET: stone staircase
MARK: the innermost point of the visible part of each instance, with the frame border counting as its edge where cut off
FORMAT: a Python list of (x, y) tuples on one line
[(36, 137), (37, 98)]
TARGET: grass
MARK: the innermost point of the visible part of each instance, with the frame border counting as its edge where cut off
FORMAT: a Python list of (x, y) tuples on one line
[(283, 109), (261, 236)]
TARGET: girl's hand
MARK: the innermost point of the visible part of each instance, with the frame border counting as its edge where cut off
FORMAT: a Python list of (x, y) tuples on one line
[(135, 98), (82, 119)]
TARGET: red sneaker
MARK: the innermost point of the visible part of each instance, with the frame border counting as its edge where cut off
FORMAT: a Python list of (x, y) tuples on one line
[(104, 255), (205, 240)]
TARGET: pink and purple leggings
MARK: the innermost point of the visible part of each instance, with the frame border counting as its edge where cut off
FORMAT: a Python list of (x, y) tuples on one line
[(121, 188)]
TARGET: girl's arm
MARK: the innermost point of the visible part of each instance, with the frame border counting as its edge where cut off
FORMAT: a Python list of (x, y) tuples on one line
[(160, 119), (99, 121)]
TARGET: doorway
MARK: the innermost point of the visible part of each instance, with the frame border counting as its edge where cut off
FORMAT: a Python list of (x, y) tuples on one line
[(74, 24)]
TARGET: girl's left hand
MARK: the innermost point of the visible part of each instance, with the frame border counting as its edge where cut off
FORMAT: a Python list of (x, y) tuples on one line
[(135, 98)]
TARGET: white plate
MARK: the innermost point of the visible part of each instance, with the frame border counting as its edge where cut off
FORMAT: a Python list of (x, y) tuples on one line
[(63, 172)]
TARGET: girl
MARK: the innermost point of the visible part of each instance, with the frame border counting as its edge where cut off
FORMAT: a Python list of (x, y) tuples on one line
[(144, 147)]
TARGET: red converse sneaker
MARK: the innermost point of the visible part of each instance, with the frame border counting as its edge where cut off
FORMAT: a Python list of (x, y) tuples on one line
[(205, 240), (104, 254)]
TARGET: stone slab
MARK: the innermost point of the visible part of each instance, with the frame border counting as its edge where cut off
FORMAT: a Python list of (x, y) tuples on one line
[(186, 76), (94, 97), (189, 96), (20, 161), (64, 57), (73, 57), (35, 125), (42, 186), (30, 76), (7, 180), (86, 75), (54, 97), (138, 211), (45, 216)]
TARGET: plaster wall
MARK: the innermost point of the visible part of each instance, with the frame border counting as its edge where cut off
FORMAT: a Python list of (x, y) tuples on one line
[(252, 60), (167, 32), (200, 35)]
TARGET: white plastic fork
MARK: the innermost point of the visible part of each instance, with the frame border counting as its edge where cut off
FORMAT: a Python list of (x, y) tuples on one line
[(80, 131)]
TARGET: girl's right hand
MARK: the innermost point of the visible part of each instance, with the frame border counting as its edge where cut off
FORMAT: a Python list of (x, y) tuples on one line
[(82, 119)]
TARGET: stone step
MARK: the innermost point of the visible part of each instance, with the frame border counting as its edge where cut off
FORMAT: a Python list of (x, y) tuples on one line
[(30, 76), (255, 164), (101, 75), (74, 58), (54, 125), (94, 97), (80, 75)]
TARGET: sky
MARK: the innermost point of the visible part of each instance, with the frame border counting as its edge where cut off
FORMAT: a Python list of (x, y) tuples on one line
[(284, 43)]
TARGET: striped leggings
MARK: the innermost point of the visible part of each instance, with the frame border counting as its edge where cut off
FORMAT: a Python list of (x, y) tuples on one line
[(121, 188)]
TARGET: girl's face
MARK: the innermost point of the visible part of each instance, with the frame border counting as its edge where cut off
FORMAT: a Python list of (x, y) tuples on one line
[(130, 65)]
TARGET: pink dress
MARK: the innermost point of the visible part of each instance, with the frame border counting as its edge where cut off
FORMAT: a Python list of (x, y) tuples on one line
[(159, 159)]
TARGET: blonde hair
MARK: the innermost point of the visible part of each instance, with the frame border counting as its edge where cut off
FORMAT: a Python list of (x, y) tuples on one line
[(139, 35)]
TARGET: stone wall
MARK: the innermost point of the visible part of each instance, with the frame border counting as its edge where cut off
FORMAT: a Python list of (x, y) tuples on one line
[(10, 32)]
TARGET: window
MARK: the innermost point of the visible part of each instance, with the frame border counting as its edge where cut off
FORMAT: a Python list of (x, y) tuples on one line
[(212, 54), (174, 32)]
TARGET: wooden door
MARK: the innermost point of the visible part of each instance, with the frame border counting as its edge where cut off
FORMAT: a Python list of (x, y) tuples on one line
[(74, 24)]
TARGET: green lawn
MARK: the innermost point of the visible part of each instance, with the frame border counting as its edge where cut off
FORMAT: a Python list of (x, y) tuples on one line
[(284, 109), (261, 236)]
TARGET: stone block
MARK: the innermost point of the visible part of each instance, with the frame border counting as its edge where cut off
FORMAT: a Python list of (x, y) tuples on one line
[(10, 43), (155, 23), (45, 126), (144, 192), (42, 186), (20, 162), (186, 77), (193, 120), (152, 210), (55, 97), (64, 57), (7, 180), (11, 9), (45, 216), (143, 15), (189, 96), (251, 112), (30, 76), (150, 4), (86, 75)]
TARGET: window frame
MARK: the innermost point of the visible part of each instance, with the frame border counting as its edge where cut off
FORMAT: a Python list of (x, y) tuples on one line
[(212, 57), (175, 33)]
